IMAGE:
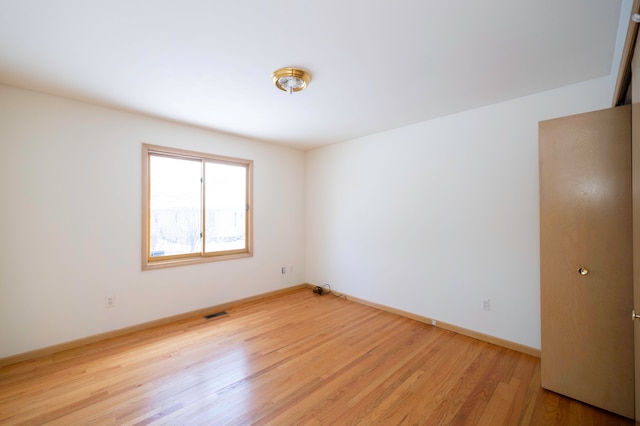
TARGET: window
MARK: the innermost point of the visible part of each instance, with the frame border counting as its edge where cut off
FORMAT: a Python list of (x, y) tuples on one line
[(196, 207)]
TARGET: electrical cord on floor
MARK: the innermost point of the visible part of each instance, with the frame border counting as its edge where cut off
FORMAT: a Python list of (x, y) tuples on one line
[(321, 290)]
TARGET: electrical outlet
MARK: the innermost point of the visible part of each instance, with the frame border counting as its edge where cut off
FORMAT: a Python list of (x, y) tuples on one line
[(109, 301), (485, 304), (284, 270)]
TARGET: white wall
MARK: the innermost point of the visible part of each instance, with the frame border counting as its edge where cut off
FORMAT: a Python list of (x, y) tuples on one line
[(432, 217), (428, 218), (70, 188)]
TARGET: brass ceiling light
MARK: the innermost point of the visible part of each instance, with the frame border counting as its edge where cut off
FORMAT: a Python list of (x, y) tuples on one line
[(291, 79)]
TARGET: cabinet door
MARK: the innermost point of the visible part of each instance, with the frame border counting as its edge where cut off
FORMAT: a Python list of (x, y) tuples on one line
[(586, 258)]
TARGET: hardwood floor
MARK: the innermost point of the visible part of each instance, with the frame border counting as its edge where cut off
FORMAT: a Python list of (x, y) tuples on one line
[(297, 358)]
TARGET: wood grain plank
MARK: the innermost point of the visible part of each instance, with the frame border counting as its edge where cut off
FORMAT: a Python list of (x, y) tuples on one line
[(294, 358)]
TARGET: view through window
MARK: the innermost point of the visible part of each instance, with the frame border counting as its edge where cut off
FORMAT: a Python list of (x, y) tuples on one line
[(197, 207)]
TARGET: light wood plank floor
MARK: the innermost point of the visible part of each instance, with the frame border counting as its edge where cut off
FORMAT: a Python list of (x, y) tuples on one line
[(296, 358)]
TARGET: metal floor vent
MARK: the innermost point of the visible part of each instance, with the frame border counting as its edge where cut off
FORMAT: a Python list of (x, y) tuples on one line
[(217, 314)]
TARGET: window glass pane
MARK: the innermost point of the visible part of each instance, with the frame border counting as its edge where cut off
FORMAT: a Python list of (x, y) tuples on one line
[(175, 206), (225, 201)]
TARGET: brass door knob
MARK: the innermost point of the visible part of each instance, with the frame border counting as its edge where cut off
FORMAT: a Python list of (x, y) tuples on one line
[(583, 271)]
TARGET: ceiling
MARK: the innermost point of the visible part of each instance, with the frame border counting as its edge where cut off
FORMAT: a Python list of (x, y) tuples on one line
[(376, 65)]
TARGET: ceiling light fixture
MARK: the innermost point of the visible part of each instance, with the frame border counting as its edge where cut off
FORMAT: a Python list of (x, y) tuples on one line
[(291, 79)]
